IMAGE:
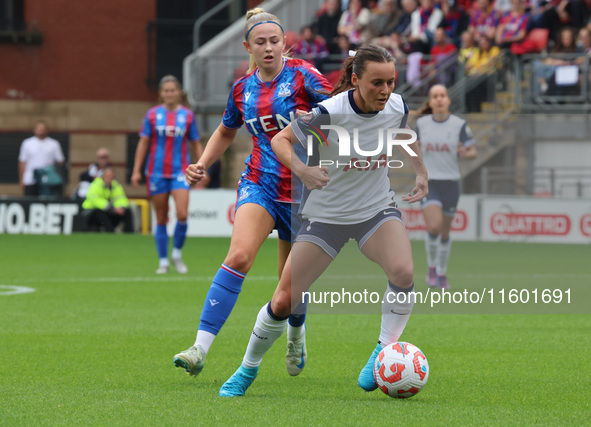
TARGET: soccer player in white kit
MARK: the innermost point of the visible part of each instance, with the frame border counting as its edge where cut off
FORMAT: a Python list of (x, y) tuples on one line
[(443, 138), (348, 199)]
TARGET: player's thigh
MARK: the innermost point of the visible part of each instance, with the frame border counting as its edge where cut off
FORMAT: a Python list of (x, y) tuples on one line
[(181, 202), (283, 246), (305, 263), (252, 225), (160, 203), (390, 248), (433, 218)]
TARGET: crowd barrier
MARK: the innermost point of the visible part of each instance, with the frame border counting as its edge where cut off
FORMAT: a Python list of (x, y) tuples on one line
[(211, 214)]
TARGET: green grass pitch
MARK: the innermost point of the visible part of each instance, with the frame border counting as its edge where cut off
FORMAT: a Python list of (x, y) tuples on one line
[(93, 344)]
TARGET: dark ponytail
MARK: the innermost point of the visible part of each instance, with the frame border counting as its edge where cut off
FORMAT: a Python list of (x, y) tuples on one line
[(357, 63)]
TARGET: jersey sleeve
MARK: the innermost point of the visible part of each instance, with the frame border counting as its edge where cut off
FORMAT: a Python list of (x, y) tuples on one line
[(22, 154), (232, 118), (59, 154), (405, 117), (309, 125), (317, 87), (466, 135), (146, 126), (193, 132)]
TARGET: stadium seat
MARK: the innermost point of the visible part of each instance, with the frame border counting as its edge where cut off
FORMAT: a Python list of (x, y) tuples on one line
[(291, 38), (241, 70)]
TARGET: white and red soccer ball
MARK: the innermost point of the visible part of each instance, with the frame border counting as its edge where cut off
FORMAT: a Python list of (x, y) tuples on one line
[(401, 370)]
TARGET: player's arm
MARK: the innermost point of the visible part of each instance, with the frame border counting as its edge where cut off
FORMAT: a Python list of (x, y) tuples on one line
[(469, 152), (21, 173), (312, 177), (420, 189), (216, 146), (197, 149), (140, 155)]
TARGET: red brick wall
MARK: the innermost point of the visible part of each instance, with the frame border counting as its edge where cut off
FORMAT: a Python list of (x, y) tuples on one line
[(92, 50)]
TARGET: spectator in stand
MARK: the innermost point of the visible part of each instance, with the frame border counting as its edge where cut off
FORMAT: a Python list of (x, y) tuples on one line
[(512, 27), (479, 63), (95, 170), (39, 153), (311, 48), (424, 22), (455, 20), (484, 19), (327, 24), (106, 204), (396, 41), (468, 47), (584, 42), (442, 54), (481, 59), (544, 70), (501, 6), (403, 28), (385, 20), (353, 22)]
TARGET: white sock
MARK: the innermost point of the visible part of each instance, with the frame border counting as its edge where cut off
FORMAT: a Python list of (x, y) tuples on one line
[(431, 246), (176, 253), (396, 309), (443, 256), (205, 340), (265, 333), (294, 332), (163, 262)]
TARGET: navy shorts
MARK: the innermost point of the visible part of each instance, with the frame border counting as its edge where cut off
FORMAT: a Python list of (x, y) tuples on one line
[(444, 193), (158, 185), (332, 237), (287, 221)]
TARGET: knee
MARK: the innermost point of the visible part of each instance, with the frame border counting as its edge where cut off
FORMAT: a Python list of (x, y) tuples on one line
[(281, 304), (402, 275), (434, 229), (239, 259)]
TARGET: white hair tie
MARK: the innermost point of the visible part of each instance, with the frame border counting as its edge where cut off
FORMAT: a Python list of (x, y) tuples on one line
[(352, 53)]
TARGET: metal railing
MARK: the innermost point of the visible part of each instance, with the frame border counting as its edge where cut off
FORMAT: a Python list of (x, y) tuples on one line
[(565, 86), (538, 181)]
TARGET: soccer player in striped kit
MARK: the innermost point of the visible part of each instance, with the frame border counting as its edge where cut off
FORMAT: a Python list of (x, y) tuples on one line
[(265, 101), (342, 203), (168, 132), (443, 139)]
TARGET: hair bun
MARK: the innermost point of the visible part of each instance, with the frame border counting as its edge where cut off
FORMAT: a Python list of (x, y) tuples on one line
[(253, 12)]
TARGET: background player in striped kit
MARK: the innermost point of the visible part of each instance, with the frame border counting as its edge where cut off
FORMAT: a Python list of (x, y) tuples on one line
[(443, 138), (167, 132), (342, 203), (265, 100)]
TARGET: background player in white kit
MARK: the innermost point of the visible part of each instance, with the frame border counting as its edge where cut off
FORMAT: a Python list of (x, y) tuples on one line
[(342, 203), (443, 138)]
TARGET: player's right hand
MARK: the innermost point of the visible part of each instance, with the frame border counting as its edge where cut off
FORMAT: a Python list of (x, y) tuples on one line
[(195, 173), (315, 178), (136, 177)]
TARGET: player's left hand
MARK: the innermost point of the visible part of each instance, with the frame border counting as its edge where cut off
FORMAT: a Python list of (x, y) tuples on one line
[(420, 190), (300, 113), (462, 151)]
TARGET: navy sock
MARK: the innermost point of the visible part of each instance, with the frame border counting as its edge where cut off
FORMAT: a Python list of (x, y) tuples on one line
[(161, 239), (180, 234), (220, 299)]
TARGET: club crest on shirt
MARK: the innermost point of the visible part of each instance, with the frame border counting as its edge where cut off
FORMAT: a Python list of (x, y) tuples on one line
[(284, 90), (243, 194)]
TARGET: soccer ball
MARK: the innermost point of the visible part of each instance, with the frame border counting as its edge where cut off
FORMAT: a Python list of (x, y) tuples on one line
[(401, 370)]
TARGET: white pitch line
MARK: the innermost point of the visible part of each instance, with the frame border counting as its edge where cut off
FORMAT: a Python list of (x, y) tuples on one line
[(15, 290)]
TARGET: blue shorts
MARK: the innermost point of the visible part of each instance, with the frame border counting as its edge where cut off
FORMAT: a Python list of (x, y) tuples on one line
[(444, 193), (158, 185), (332, 237), (287, 220)]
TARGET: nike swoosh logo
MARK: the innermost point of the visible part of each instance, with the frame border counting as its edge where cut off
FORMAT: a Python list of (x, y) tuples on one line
[(213, 302), (389, 212), (301, 364)]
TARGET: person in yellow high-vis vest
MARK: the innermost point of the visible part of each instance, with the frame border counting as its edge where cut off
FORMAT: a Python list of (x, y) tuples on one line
[(106, 204)]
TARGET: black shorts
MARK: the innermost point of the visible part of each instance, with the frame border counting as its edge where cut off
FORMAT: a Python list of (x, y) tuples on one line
[(332, 237), (444, 193)]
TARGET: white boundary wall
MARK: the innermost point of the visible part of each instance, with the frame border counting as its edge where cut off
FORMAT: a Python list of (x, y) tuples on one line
[(487, 218)]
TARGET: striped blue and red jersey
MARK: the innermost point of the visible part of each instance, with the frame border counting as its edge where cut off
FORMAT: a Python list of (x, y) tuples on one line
[(513, 22), (268, 107), (170, 133)]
